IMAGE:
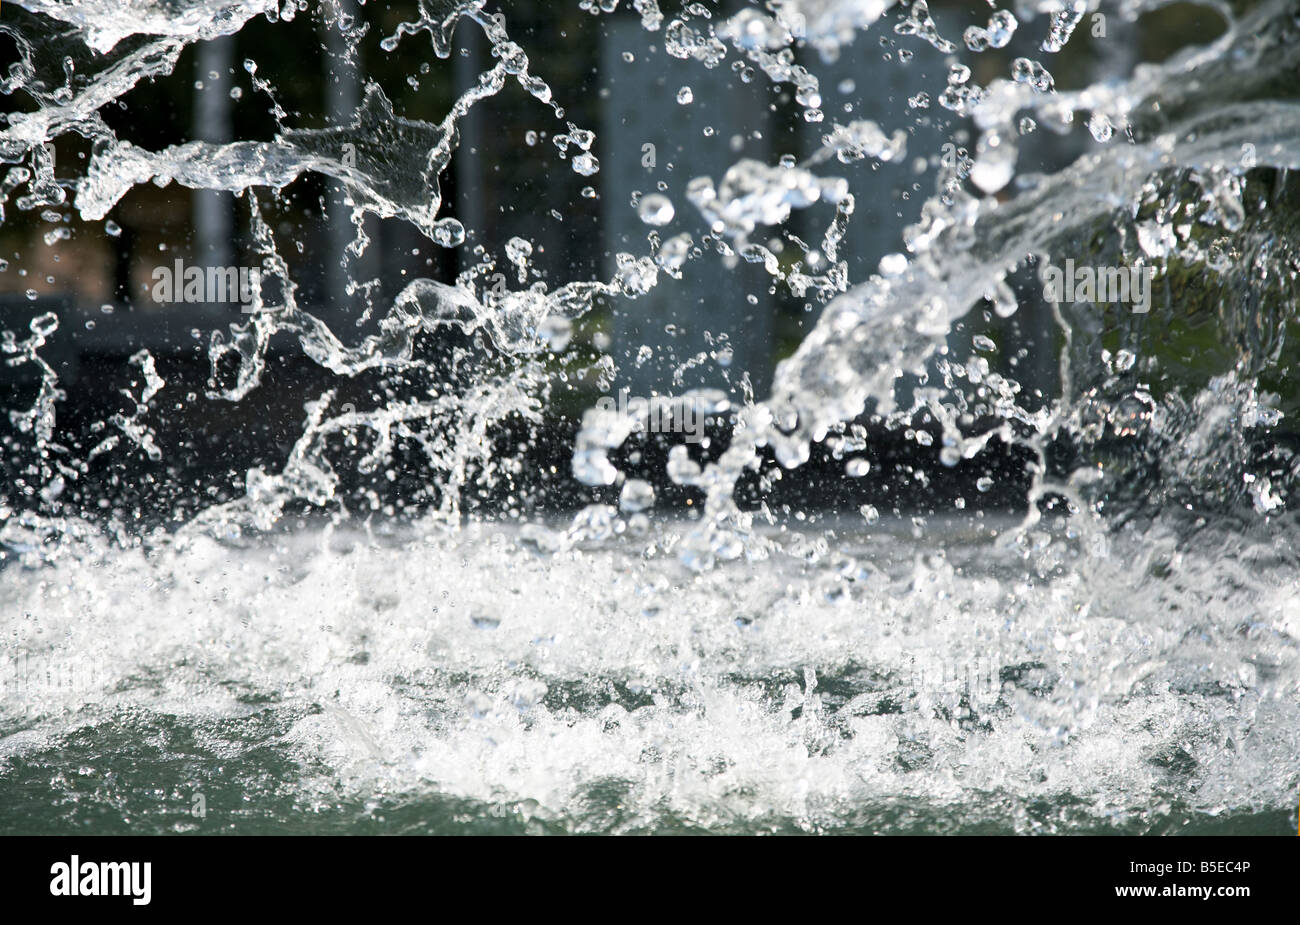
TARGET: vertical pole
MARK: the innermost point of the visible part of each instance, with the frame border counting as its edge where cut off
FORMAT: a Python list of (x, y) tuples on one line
[(342, 99), (467, 64), (212, 216)]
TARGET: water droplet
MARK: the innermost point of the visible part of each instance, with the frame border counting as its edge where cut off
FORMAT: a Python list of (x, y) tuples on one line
[(1100, 127), (518, 250), (636, 496), (893, 264), (656, 209), (43, 325), (449, 232)]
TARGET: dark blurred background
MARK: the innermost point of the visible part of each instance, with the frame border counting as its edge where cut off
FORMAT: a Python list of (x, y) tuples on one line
[(611, 76)]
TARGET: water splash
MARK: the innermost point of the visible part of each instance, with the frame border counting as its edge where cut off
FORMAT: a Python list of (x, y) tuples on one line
[(1122, 653)]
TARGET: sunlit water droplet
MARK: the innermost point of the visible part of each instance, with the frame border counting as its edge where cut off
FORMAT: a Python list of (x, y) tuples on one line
[(656, 209)]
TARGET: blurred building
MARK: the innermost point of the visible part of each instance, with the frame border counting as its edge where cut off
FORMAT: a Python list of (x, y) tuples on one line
[(612, 76)]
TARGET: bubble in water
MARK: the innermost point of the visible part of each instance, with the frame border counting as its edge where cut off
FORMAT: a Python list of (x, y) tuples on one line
[(586, 164), (685, 96)]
